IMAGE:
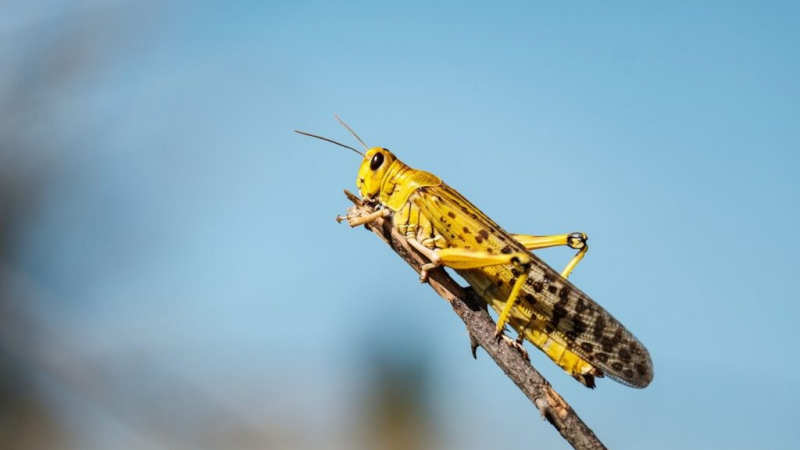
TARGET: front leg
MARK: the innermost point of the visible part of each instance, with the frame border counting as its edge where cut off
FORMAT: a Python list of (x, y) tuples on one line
[(355, 219)]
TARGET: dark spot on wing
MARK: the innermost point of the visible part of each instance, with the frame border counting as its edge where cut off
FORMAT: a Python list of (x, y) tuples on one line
[(506, 250), (628, 373), (624, 355), (552, 289), (478, 239), (579, 326), (571, 335), (616, 366), (602, 357), (466, 230), (599, 327), (451, 214), (538, 286), (564, 292), (484, 234), (610, 343), (559, 313), (587, 347), (581, 306), (641, 369)]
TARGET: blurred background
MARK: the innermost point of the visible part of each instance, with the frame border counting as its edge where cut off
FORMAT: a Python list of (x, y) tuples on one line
[(171, 276)]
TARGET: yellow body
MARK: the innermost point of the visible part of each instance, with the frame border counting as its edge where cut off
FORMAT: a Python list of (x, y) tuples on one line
[(535, 300)]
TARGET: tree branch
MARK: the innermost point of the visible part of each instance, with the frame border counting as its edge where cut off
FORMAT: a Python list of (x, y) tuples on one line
[(471, 309)]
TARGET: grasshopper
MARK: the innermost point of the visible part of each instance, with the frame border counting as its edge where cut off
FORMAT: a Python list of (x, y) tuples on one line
[(540, 304)]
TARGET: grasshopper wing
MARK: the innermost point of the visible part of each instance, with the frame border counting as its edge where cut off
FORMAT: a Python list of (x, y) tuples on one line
[(565, 314)]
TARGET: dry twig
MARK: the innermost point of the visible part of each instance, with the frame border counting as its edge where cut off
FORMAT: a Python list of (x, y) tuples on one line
[(481, 329)]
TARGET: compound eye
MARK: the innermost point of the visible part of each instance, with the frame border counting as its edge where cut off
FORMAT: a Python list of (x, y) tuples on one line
[(376, 162)]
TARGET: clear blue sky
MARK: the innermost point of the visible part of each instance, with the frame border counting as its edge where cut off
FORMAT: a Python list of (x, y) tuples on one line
[(189, 222)]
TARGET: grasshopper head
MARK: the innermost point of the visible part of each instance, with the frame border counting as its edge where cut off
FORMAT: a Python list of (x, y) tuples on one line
[(373, 169)]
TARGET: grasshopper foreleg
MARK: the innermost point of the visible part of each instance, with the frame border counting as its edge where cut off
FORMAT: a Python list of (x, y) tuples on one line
[(575, 241), (355, 219)]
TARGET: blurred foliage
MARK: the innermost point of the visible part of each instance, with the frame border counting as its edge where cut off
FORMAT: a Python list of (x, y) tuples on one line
[(41, 361), (397, 415)]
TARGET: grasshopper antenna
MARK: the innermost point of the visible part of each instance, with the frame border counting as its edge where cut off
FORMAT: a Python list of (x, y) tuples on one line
[(329, 140), (351, 131)]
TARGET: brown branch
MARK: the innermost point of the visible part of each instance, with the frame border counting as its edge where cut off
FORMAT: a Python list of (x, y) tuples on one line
[(470, 308)]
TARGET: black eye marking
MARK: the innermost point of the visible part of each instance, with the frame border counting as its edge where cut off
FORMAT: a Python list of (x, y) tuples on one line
[(376, 162)]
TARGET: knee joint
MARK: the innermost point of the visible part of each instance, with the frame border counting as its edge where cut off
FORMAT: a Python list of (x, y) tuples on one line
[(577, 240), (521, 260)]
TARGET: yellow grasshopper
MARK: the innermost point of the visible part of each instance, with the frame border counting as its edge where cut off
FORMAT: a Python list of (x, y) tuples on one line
[(535, 300)]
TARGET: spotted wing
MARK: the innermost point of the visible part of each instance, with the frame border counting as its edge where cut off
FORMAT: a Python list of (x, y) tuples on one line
[(569, 315)]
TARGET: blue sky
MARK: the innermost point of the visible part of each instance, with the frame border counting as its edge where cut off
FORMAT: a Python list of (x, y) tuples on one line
[(185, 220)]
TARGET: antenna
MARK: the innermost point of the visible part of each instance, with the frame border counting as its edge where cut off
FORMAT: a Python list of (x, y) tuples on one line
[(329, 140), (351, 131)]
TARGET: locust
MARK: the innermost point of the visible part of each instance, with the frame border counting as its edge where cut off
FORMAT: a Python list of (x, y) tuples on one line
[(540, 304)]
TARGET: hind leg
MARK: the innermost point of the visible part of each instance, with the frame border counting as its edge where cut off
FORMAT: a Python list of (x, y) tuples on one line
[(576, 241)]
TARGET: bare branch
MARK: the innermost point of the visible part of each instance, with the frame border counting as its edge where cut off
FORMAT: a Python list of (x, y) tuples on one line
[(470, 308)]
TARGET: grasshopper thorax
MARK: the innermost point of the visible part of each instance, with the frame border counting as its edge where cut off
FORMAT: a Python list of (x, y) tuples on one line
[(385, 179)]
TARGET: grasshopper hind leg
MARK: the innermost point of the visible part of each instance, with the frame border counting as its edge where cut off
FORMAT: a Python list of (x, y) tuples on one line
[(575, 241)]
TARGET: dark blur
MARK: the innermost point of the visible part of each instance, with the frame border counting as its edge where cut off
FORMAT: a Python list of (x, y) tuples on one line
[(56, 381)]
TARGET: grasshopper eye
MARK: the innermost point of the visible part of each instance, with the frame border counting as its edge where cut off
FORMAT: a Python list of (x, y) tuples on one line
[(376, 162)]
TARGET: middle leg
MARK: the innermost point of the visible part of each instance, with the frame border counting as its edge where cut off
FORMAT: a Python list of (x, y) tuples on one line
[(464, 259)]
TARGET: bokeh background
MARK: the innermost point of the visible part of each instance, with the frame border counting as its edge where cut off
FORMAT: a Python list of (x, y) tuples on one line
[(171, 276)]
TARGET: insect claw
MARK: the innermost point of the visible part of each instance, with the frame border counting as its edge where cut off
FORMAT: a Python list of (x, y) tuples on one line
[(423, 275), (349, 218), (513, 344)]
